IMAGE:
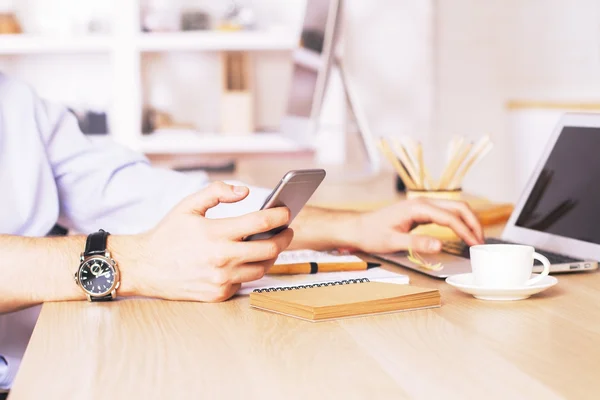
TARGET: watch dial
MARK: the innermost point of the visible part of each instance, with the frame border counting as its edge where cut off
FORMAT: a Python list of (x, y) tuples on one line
[(97, 276)]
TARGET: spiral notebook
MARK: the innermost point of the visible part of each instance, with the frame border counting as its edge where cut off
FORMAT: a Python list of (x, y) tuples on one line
[(333, 300), (301, 280)]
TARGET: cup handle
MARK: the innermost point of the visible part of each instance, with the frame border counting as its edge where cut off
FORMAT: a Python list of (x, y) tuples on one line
[(544, 273)]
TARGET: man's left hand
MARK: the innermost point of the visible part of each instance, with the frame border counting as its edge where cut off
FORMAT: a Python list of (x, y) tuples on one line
[(387, 230)]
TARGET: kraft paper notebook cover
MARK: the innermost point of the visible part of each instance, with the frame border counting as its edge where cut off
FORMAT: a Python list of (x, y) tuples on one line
[(347, 299)]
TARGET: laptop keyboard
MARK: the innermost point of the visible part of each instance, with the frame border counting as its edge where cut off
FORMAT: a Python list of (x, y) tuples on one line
[(462, 250)]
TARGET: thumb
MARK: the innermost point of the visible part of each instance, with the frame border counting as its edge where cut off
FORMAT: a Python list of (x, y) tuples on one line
[(424, 244), (209, 197)]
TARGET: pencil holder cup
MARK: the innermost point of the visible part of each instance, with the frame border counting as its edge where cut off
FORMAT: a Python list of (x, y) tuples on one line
[(450, 194)]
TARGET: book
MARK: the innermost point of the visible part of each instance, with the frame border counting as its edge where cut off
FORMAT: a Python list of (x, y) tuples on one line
[(344, 299), (373, 274)]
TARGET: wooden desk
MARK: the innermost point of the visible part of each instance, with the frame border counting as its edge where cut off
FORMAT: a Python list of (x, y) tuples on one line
[(543, 348)]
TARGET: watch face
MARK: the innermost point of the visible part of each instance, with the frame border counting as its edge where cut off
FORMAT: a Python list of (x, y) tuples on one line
[(97, 276)]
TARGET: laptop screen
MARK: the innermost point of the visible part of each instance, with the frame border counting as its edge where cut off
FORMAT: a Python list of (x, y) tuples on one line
[(565, 199)]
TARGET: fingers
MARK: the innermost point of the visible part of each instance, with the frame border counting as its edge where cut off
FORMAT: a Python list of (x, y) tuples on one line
[(425, 212), (251, 271), (261, 250), (465, 212), (257, 222), (420, 244), (225, 293), (212, 195), (423, 244)]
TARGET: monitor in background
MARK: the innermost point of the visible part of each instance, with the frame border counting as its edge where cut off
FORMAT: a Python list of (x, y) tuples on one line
[(312, 62)]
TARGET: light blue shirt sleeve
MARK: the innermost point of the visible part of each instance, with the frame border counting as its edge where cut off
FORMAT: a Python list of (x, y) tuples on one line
[(3, 371), (8, 371), (53, 172), (113, 188)]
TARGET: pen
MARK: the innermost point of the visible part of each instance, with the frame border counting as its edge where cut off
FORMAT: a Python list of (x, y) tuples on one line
[(313, 267)]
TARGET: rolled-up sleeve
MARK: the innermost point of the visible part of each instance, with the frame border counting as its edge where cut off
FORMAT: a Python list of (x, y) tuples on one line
[(3, 373), (8, 370), (111, 187)]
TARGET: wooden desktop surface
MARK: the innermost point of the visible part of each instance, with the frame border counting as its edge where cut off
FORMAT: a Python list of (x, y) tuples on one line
[(546, 347)]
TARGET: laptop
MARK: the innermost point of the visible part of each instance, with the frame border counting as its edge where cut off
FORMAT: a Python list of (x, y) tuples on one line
[(558, 212)]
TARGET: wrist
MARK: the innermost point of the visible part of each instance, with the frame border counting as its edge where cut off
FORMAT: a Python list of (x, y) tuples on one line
[(349, 231), (322, 229), (341, 230), (127, 251)]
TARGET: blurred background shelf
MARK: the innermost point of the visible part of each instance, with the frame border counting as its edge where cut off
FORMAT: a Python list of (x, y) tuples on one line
[(190, 142), (218, 41), (109, 60), (32, 44)]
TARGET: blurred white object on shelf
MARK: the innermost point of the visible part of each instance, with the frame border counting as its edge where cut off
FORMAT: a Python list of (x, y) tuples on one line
[(161, 16)]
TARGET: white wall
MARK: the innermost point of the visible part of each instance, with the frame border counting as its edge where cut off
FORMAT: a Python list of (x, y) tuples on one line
[(490, 52), (448, 67), (388, 53)]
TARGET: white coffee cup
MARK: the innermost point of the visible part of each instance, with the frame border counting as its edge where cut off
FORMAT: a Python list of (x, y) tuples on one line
[(505, 265)]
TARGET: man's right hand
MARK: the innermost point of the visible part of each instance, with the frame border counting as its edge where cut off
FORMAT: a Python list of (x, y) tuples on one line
[(190, 257)]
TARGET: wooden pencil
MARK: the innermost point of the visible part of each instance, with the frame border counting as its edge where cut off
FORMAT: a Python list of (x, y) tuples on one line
[(408, 164), (410, 145), (421, 163), (479, 146), (451, 155), (389, 154), (455, 143), (482, 152), (429, 183), (459, 158)]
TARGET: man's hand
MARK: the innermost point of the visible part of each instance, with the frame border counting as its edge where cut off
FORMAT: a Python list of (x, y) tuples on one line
[(190, 257), (387, 230)]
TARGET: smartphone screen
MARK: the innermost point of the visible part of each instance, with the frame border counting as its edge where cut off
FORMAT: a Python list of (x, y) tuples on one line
[(293, 191)]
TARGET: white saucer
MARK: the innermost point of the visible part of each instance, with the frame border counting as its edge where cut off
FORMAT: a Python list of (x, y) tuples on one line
[(464, 283)]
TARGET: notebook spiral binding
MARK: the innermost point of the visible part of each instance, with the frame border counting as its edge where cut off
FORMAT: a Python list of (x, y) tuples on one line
[(314, 285)]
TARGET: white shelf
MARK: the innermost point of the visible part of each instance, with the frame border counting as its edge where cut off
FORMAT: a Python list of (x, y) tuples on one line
[(218, 41), (152, 42), (121, 71), (189, 142), (30, 44)]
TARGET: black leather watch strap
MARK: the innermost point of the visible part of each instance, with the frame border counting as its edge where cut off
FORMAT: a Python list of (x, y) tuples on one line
[(108, 297), (96, 243)]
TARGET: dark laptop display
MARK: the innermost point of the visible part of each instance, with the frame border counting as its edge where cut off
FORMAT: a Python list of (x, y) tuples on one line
[(565, 199)]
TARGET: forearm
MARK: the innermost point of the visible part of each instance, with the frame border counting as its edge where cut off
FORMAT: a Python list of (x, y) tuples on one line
[(36, 270), (324, 229)]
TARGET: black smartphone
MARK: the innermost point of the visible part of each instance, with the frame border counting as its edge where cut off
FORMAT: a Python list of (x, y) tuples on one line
[(293, 191)]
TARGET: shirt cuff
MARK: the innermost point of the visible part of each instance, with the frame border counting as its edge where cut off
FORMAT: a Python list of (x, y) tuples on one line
[(8, 370)]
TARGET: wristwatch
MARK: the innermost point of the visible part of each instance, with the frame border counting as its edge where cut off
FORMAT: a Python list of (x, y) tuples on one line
[(98, 274)]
